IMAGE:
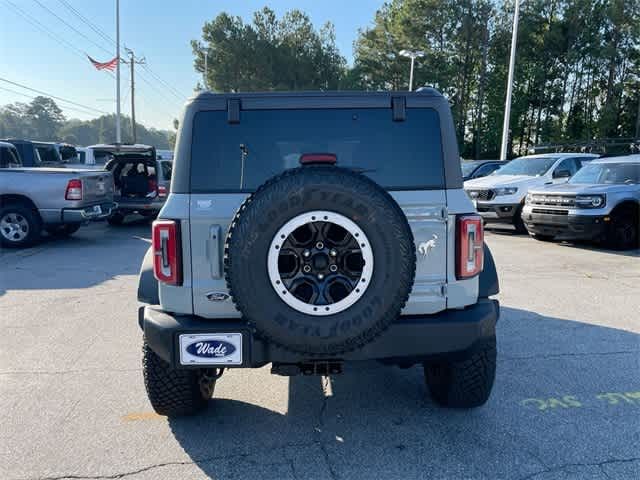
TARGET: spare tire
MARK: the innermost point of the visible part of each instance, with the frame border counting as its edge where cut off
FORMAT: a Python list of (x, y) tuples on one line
[(320, 260)]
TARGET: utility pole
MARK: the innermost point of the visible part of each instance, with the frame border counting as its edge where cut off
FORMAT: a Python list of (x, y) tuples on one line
[(118, 136), (132, 63), (512, 61)]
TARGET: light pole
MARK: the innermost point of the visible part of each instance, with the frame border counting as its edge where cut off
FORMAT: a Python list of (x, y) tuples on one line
[(118, 135), (412, 54), (206, 68), (512, 61)]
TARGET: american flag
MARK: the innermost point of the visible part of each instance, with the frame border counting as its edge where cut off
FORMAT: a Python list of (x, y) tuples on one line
[(110, 65)]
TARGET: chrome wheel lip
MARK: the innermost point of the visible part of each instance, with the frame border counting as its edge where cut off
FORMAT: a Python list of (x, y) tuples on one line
[(311, 217), (14, 227)]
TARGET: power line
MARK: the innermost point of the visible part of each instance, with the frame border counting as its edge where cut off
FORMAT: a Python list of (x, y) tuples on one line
[(52, 96), (27, 17), (88, 22), (159, 92), (175, 92), (72, 27), (64, 107)]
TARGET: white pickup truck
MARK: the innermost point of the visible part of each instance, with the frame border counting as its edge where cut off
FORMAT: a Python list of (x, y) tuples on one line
[(499, 197), (58, 200)]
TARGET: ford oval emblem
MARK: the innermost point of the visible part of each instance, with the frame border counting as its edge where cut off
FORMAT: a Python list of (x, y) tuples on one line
[(211, 349), (217, 296)]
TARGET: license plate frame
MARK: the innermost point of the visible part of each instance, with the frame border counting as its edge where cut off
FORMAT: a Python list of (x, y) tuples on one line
[(211, 348)]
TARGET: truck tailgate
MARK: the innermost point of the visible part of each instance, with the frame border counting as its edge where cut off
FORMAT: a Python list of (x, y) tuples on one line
[(96, 186)]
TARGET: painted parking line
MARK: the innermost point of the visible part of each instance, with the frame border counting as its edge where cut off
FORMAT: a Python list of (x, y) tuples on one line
[(606, 399), (142, 416)]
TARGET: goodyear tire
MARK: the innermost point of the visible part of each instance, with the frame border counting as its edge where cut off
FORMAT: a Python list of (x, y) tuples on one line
[(174, 392), (339, 255), (465, 383)]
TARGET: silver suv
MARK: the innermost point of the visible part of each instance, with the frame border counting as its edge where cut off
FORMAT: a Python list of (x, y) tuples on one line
[(600, 202), (306, 230)]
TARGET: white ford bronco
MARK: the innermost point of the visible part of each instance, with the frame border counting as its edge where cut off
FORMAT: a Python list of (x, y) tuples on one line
[(306, 230)]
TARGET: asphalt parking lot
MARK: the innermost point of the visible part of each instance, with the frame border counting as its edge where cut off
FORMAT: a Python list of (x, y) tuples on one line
[(566, 402)]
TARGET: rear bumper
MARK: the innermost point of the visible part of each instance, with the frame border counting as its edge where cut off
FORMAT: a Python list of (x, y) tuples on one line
[(142, 206), (497, 212), (85, 214), (567, 227), (411, 338)]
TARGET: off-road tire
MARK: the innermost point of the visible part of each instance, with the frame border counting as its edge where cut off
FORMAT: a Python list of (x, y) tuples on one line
[(463, 383), (115, 219), (626, 218), (64, 230), (172, 392), (314, 188), (33, 220)]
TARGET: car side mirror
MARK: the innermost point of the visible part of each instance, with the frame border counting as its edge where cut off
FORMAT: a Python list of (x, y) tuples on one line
[(561, 174)]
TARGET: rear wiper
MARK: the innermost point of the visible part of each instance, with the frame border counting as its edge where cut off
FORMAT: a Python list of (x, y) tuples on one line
[(362, 170)]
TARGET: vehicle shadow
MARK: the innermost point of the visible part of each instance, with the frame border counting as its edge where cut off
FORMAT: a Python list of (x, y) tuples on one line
[(598, 247), (94, 254), (566, 393)]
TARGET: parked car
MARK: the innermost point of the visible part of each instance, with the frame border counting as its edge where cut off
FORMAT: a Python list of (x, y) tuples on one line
[(38, 154), (499, 198), (141, 181), (9, 156), (93, 157), (58, 200), (307, 230), (480, 168), (600, 202), (165, 154)]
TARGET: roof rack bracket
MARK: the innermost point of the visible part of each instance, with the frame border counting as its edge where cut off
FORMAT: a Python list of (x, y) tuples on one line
[(398, 109), (233, 110)]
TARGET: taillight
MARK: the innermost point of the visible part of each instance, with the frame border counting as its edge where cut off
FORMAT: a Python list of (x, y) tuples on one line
[(469, 246), (167, 262), (162, 191), (74, 190), (318, 158)]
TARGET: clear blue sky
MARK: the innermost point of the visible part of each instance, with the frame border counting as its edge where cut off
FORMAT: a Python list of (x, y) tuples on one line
[(158, 29)]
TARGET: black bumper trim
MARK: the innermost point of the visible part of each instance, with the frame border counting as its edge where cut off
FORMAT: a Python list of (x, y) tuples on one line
[(497, 213), (448, 332), (570, 227)]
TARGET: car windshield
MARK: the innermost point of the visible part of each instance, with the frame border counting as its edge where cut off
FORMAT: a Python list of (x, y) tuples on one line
[(467, 168), (530, 166), (608, 173)]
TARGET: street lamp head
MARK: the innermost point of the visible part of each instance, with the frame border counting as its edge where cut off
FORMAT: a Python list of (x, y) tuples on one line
[(411, 53)]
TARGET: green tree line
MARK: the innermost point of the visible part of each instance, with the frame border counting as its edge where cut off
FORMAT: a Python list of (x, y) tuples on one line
[(42, 119), (577, 73)]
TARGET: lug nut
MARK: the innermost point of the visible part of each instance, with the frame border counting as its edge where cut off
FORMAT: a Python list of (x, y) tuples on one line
[(306, 268), (333, 268), (319, 245), (306, 253), (333, 252), (320, 276)]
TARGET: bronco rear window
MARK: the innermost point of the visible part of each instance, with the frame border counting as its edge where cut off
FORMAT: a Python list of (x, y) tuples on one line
[(229, 157)]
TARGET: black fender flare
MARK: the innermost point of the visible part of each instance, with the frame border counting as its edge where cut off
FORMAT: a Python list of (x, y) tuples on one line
[(147, 283), (488, 281)]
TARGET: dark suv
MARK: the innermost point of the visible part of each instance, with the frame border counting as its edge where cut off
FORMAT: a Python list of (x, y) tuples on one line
[(307, 230)]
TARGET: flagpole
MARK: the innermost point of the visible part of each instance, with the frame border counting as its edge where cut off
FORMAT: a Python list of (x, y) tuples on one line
[(118, 137)]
